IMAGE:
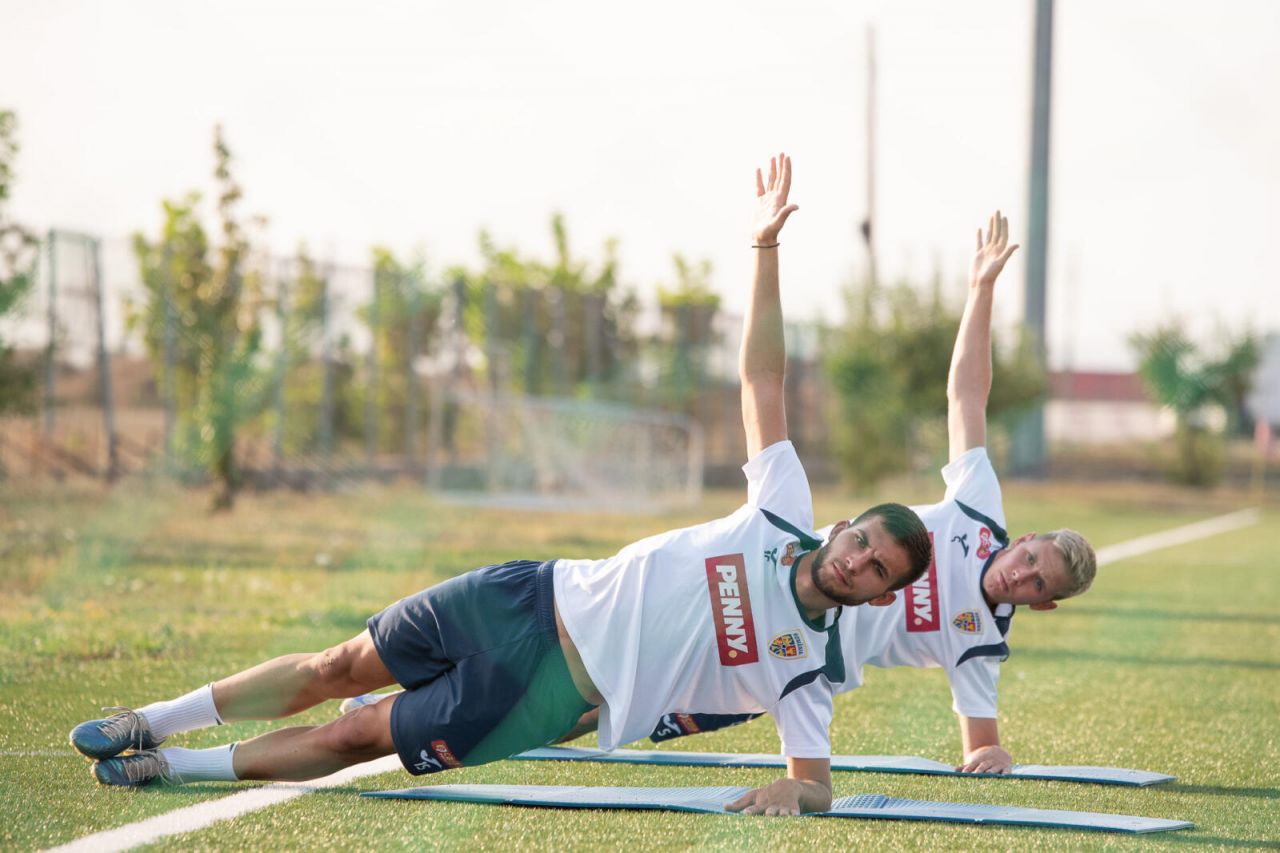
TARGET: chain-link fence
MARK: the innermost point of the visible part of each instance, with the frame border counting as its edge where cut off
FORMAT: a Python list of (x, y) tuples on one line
[(377, 372)]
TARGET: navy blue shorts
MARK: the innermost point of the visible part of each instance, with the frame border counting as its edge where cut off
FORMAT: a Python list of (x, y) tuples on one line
[(481, 664)]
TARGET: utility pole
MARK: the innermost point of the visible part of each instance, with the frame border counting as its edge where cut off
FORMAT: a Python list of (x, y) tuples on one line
[(868, 233), (1028, 449)]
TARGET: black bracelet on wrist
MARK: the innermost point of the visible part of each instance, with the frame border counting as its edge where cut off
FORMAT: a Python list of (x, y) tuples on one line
[(763, 246)]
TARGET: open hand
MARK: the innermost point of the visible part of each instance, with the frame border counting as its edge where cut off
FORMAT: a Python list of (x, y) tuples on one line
[(773, 209), (782, 798), (987, 759), (992, 251)]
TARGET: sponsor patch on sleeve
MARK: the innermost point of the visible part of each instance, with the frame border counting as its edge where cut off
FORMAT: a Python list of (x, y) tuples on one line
[(789, 645)]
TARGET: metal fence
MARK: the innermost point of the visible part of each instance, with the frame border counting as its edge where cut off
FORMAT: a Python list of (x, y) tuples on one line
[(366, 372)]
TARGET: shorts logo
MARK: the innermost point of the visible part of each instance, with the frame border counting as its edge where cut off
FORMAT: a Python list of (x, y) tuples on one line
[(984, 543), (675, 725), (731, 610), (968, 621), (445, 754), (922, 601), (428, 762), (789, 645)]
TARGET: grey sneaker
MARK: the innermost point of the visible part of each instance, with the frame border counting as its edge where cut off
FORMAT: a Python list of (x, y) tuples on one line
[(133, 769), (115, 734), (354, 702)]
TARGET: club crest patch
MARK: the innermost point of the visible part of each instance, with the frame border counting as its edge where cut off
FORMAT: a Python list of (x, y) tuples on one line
[(789, 646), (984, 543), (968, 621)]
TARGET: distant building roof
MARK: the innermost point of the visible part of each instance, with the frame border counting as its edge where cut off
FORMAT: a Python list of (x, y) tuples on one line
[(1090, 385)]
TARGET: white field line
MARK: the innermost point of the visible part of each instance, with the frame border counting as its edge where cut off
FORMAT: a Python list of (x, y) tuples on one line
[(38, 753), (201, 815), (1179, 535)]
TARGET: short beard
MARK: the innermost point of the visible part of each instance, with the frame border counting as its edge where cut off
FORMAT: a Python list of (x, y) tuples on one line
[(815, 563)]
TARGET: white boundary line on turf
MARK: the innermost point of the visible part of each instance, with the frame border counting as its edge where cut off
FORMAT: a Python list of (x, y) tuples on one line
[(1179, 535), (195, 817)]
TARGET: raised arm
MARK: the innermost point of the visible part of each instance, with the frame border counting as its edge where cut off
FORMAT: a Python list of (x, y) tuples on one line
[(762, 361), (969, 381)]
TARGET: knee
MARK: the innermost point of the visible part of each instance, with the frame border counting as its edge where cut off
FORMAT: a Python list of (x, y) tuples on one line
[(364, 732), (333, 665)]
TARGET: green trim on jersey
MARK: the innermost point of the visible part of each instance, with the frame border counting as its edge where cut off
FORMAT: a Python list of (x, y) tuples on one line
[(795, 596)]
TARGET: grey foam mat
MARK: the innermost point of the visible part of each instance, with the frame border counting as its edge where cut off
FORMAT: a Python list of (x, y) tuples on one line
[(713, 800), (874, 763)]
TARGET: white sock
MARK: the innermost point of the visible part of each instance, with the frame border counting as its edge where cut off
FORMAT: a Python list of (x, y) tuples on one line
[(184, 714), (201, 765)]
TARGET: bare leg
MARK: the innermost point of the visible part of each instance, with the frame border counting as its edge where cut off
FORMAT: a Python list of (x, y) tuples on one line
[(586, 724), (292, 683), (309, 752)]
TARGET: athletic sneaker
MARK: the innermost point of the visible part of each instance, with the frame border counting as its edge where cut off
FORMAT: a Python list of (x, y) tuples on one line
[(360, 701), (115, 734), (133, 769)]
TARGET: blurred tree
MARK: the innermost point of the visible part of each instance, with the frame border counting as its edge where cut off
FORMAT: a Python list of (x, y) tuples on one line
[(1189, 383), (403, 308), (214, 306), (303, 305), (888, 369), (18, 253), (566, 326), (1235, 372), (689, 311)]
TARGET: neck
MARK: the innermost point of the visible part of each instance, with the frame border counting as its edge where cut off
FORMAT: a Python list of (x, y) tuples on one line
[(809, 596)]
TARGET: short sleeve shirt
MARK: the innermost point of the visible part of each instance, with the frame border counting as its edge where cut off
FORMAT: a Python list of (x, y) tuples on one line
[(943, 620), (705, 619)]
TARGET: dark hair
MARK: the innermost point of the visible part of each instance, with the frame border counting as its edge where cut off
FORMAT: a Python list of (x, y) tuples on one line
[(905, 528)]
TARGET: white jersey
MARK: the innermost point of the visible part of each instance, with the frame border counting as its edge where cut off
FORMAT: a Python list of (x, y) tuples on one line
[(943, 620), (705, 619)]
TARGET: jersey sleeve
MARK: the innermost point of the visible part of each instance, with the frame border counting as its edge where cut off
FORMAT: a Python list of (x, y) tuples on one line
[(971, 480), (803, 720), (973, 687), (776, 481)]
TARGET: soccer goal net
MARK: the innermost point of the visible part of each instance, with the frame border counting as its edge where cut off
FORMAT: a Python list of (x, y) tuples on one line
[(557, 453)]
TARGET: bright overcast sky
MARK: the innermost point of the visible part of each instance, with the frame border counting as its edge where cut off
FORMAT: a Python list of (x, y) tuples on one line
[(414, 124)]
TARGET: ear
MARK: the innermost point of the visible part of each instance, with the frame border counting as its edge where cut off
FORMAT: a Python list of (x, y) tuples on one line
[(838, 528), (1045, 605), (884, 600), (1026, 537)]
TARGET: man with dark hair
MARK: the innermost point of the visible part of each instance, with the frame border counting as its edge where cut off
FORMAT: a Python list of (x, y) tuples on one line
[(506, 658), (956, 616)]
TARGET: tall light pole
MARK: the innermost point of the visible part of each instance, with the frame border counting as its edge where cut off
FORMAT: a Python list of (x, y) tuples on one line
[(1028, 450), (868, 222)]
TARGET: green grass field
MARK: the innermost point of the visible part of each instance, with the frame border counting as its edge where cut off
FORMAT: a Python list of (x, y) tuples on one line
[(1171, 663)]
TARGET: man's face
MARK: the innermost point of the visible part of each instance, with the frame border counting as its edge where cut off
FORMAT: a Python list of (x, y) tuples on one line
[(1030, 571), (859, 563)]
